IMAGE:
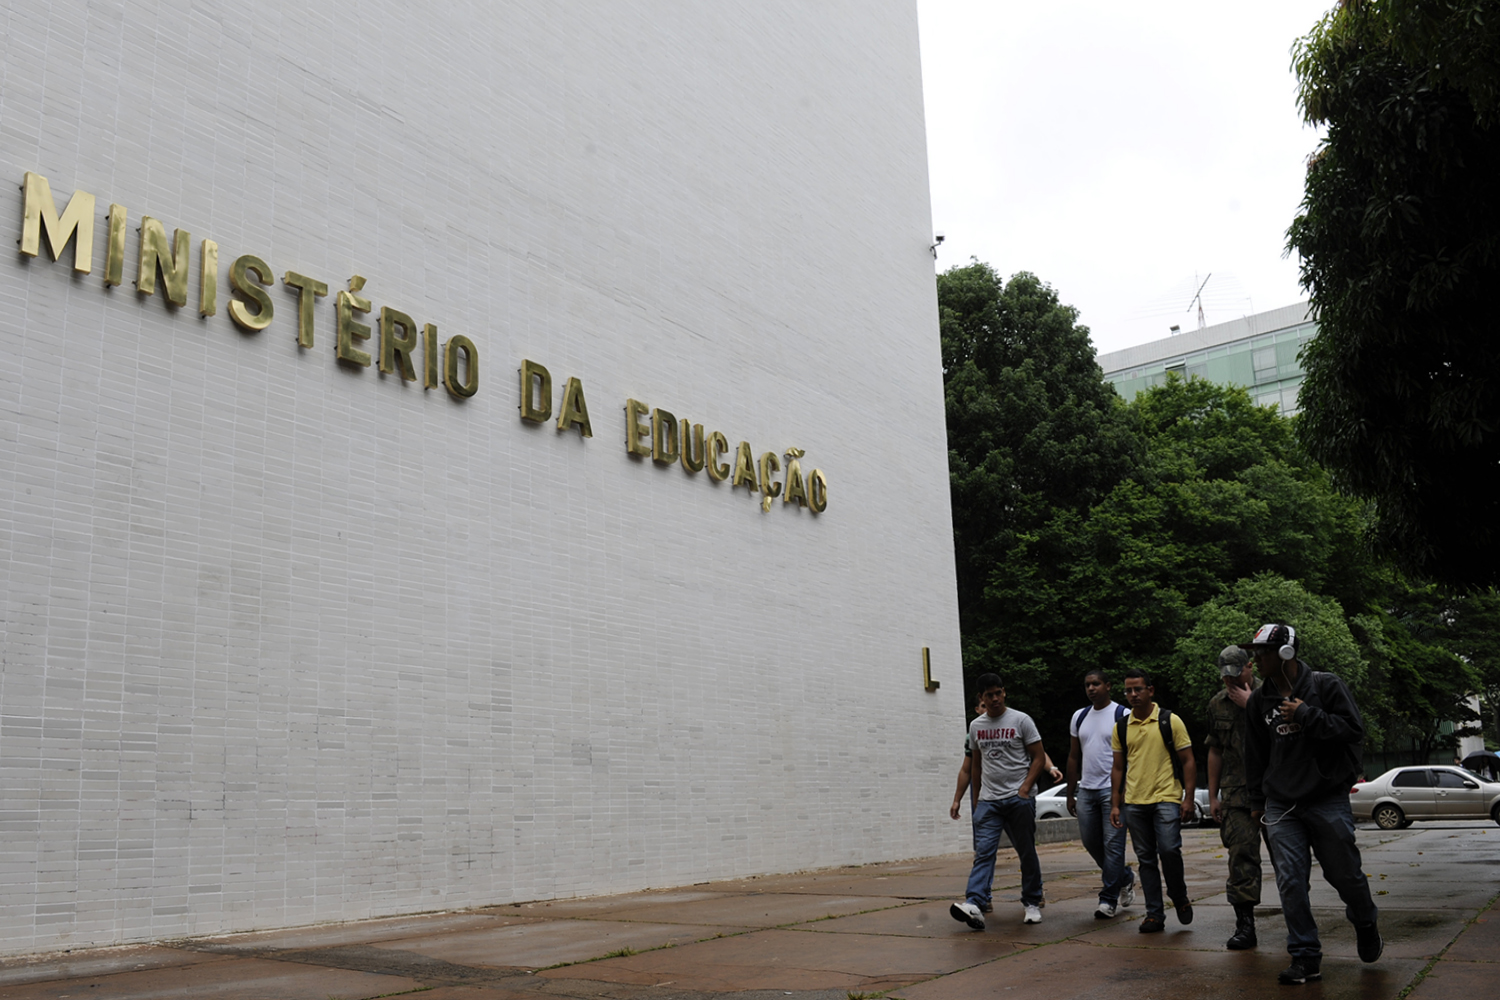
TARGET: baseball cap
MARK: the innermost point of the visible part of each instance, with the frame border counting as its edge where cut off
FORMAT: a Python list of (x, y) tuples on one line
[(1232, 661), (1272, 635)]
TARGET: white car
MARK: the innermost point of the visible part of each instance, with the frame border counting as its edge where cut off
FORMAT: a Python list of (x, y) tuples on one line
[(1403, 795), (1053, 804)]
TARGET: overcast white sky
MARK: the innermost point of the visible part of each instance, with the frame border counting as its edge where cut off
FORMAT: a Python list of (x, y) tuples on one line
[(1117, 150)]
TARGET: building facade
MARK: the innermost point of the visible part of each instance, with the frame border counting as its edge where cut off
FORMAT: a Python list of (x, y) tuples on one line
[(454, 455), (1257, 353)]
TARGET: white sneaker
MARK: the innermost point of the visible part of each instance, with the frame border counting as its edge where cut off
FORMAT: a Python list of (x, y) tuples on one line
[(1128, 896), (1105, 911), (1033, 915), (968, 913)]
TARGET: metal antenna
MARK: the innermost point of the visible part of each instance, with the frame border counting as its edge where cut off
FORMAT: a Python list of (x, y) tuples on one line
[(1198, 298)]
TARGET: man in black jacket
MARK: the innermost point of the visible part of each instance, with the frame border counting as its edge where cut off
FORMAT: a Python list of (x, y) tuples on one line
[(1302, 754)]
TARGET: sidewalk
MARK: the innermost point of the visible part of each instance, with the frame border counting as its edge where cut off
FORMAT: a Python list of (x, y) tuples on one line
[(842, 933)]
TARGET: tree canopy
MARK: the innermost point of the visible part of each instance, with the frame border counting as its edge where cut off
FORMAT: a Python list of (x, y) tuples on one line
[(1399, 239), (1091, 533), (1323, 632), (1032, 426)]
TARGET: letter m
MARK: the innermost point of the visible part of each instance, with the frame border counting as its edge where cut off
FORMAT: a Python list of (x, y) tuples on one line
[(41, 214)]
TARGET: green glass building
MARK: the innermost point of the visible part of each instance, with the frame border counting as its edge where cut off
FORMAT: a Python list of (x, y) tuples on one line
[(1256, 352)]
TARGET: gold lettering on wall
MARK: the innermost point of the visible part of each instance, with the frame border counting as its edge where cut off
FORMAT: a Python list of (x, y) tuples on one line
[(817, 491), (249, 307), (575, 411), (396, 348), (744, 468), (171, 261), (536, 392), (663, 437), (769, 466), (250, 289), (309, 290), (114, 247), (465, 385), (429, 356), (692, 447), (796, 490), (39, 215), (348, 330), (208, 278), (675, 440), (634, 431), (718, 445)]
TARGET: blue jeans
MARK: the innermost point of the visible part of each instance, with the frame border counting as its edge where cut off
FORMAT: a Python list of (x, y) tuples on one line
[(1017, 817), (1105, 844), (1325, 828), (1156, 834)]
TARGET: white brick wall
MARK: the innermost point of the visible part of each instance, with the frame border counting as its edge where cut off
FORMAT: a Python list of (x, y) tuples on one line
[(285, 641)]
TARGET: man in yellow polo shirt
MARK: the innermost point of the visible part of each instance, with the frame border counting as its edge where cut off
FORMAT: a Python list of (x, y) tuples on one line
[(1151, 772)]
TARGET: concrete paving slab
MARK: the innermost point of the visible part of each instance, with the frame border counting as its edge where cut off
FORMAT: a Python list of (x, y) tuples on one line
[(1456, 981), (797, 960), (479, 991), (743, 910), (876, 938), (592, 906), (539, 945), (1071, 969), (900, 886), (1480, 941), (1418, 894), (1060, 889), (1203, 934), (94, 962), (356, 932), (1409, 934), (932, 920), (223, 979)]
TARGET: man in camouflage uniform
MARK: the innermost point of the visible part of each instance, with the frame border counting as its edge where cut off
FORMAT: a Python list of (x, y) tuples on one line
[(1228, 797)]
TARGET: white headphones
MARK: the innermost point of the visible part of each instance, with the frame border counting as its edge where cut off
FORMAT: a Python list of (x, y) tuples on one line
[(1289, 650)]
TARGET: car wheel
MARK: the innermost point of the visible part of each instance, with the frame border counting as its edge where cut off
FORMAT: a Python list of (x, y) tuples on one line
[(1495, 813), (1389, 817), (1406, 823)]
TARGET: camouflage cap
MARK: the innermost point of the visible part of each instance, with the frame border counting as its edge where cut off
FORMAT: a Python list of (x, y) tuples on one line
[(1232, 660)]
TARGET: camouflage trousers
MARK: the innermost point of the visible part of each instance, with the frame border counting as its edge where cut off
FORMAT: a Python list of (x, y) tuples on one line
[(1240, 836)]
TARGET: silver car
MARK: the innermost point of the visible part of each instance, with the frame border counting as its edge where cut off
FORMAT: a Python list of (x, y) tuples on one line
[(1403, 795)]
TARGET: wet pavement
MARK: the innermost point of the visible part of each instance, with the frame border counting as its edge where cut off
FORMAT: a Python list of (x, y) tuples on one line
[(847, 934)]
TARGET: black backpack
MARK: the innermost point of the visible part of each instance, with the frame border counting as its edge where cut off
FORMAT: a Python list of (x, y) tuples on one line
[(1120, 712), (1164, 722)]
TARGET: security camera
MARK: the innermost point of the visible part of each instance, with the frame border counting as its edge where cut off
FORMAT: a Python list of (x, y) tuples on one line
[(939, 236)]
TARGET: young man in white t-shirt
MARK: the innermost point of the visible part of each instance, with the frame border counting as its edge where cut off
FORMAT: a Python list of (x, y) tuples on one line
[(1089, 762), (999, 778)]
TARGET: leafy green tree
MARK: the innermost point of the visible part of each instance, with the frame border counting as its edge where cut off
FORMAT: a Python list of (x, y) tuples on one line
[(1244, 496), (1417, 681), (1090, 533), (1399, 237), (1324, 638), (1033, 428), (1474, 634), (1222, 492)]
